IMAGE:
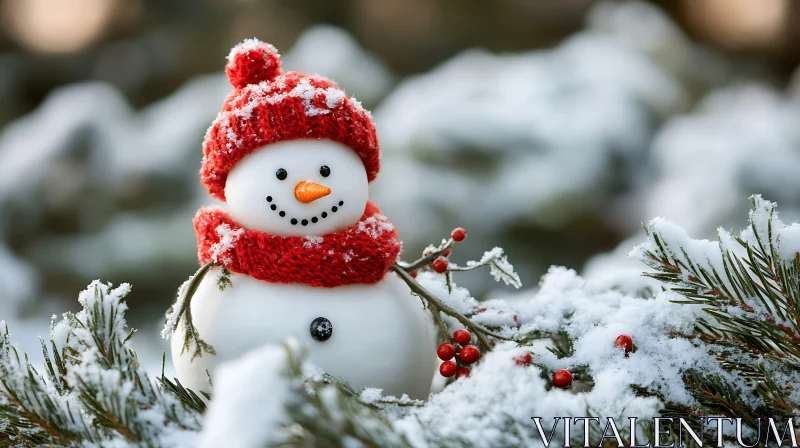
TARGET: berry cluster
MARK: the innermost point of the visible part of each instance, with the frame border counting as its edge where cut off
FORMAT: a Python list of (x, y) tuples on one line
[(468, 354)]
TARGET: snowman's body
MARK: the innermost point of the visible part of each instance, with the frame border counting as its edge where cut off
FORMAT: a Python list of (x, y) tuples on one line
[(382, 337)]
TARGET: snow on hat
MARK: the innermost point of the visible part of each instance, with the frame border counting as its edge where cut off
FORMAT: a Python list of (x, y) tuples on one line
[(268, 107)]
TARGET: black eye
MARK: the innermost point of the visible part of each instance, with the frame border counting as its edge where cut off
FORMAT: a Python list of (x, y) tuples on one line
[(325, 171), (281, 174)]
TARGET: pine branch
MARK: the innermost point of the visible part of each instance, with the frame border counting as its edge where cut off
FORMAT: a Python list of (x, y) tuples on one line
[(749, 293), (96, 391), (35, 414), (754, 272), (562, 346), (329, 413), (187, 396)]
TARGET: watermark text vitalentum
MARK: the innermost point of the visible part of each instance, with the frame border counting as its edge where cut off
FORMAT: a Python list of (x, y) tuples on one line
[(669, 432)]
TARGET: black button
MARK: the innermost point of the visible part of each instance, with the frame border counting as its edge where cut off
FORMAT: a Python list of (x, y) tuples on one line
[(321, 329)]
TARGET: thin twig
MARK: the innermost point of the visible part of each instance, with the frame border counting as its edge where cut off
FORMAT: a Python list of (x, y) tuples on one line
[(194, 283), (427, 259), (437, 306)]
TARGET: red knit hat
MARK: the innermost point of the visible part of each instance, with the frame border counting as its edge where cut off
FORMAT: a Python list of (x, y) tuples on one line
[(268, 107)]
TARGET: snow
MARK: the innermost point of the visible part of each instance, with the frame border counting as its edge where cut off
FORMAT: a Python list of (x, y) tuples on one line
[(250, 395), (333, 97), (375, 226), (789, 241), (594, 317), (171, 323), (370, 395), (307, 93), (506, 391), (311, 241), (250, 44), (500, 268), (227, 238)]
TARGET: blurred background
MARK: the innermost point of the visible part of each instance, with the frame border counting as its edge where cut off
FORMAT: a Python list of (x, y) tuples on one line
[(552, 129)]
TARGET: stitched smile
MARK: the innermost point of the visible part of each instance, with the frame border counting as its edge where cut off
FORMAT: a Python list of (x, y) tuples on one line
[(313, 220)]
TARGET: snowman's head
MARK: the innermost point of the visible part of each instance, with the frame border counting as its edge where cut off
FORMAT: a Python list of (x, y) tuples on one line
[(298, 188)]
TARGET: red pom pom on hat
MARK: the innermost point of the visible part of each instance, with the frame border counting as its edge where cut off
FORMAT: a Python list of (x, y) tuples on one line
[(251, 62)]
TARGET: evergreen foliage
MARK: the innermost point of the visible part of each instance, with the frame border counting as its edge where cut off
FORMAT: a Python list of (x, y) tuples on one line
[(749, 287)]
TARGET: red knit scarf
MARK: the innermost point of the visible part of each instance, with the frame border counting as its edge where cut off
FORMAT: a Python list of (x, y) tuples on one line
[(361, 253)]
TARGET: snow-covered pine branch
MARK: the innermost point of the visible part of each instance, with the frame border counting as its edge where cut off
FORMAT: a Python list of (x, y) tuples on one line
[(749, 286), (34, 412), (95, 389)]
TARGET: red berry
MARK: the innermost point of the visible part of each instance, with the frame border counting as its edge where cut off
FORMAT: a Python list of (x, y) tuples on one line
[(446, 352), (462, 336), (458, 234), (562, 378), (523, 359), (446, 252), (625, 342), (481, 309), (448, 369), (470, 354), (413, 274), (462, 372), (440, 265)]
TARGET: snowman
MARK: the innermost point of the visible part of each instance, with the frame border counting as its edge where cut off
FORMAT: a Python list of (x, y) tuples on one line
[(303, 251)]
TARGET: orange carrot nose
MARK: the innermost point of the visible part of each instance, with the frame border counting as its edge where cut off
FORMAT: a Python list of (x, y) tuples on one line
[(306, 192)]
